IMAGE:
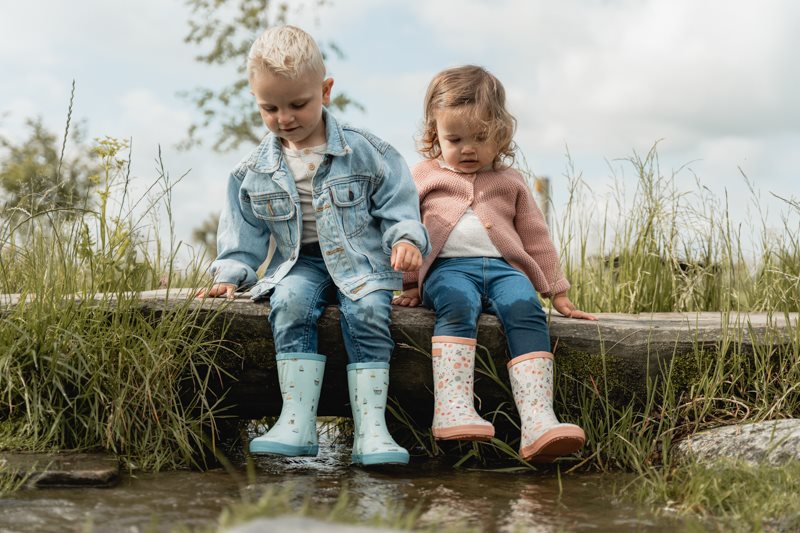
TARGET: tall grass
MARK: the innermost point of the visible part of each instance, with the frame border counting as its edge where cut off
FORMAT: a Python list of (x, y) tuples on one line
[(664, 249), (81, 367)]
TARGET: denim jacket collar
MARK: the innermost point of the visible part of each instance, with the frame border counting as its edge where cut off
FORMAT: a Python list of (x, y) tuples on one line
[(268, 157)]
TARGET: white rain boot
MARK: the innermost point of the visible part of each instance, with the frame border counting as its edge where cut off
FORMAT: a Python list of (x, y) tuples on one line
[(295, 432), (544, 438), (372, 444), (454, 415)]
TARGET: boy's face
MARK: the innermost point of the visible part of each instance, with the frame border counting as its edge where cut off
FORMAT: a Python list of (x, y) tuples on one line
[(292, 108), (464, 146)]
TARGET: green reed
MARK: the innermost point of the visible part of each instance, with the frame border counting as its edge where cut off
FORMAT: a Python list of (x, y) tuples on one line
[(81, 365), (662, 248)]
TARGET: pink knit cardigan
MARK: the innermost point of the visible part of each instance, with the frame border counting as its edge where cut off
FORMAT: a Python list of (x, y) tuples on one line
[(503, 202)]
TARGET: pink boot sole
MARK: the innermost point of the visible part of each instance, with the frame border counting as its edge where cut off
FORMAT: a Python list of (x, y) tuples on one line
[(466, 432), (556, 443)]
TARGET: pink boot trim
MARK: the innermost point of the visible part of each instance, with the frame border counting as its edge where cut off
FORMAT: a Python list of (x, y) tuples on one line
[(527, 356), (457, 340), (465, 432), (563, 440)]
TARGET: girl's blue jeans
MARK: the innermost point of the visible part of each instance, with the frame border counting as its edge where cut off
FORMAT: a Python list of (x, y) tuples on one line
[(299, 299), (458, 289)]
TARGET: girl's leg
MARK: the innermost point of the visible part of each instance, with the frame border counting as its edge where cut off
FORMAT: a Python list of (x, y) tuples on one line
[(296, 305), (515, 302), (453, 290), (365, 328), (512, 298)]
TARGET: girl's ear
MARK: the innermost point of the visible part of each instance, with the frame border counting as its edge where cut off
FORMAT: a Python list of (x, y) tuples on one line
[(326, 91)]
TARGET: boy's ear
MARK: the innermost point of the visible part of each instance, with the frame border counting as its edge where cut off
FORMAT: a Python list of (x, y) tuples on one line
[(326, 91)]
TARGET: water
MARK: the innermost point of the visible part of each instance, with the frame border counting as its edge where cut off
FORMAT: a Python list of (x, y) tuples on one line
[(488, 501)]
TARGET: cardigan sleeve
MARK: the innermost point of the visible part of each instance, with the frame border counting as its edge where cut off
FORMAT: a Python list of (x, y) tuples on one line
[(535, 235)]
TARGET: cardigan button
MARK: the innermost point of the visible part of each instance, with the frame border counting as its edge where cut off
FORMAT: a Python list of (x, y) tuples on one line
[(489, 226)]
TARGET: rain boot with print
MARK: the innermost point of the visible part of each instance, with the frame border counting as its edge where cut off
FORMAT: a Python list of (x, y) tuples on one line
[(454, 415), (372, 443), (544, 438), (295, 432)]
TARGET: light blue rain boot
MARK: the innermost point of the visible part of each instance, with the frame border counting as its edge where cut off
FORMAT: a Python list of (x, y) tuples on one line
[(372, 444), (295, 432)]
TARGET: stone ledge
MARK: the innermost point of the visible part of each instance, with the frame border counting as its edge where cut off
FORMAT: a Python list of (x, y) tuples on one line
[(628, 348)]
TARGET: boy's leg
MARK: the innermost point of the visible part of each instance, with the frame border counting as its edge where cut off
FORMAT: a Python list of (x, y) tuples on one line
[(296, 305), (453, 289), (515, 302), (365, 328)]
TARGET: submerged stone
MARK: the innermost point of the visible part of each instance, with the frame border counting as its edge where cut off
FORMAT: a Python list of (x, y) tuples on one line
[(773, 442), (63, 469), (297, 524)]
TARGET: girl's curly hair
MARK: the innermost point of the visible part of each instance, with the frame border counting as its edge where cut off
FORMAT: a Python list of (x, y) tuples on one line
[(480, 96)]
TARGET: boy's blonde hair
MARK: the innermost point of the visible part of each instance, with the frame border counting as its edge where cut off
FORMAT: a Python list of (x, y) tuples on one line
[(476, 93), (285, 51)]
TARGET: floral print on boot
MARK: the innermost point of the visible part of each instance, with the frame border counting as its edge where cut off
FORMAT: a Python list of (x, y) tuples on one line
[(544, 438), (454, 415)]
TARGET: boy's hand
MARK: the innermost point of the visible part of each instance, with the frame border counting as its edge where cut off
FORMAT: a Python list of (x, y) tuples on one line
[(408, 298), (406, 257), (218, 289), (563, 305)]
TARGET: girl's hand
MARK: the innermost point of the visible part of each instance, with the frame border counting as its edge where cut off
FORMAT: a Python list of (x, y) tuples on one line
[(406, 257), (563, 305), (409, 298), (218, 289)]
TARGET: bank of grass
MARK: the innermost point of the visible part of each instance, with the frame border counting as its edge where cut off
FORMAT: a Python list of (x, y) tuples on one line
[(81, 366), (727, 495)]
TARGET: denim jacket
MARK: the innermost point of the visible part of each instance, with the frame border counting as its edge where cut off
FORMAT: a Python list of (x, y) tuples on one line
[(364, 200)]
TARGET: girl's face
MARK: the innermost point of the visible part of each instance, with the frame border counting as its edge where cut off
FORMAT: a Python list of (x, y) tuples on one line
[(464, 146)]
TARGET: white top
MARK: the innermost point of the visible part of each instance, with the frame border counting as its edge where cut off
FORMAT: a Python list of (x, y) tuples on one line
[(303, 165), (469, 239)]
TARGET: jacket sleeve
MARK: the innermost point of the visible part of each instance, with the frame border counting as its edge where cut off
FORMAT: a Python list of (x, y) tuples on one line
[(532, 229), (242, 239), (395, 203)]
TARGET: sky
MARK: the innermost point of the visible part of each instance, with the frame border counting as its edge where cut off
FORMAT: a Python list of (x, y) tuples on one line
[(714, 83)]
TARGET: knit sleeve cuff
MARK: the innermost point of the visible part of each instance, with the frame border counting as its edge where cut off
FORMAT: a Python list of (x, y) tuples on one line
[(410, 280), (561, 285)]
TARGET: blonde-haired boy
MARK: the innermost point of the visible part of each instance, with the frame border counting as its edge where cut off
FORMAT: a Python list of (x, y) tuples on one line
[(343, 212)]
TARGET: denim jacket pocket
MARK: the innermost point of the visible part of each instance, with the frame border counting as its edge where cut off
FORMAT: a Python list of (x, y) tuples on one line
[(278, 210), (350, 199)]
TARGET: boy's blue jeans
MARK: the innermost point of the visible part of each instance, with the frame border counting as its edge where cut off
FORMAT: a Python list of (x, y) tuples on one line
[(458, 289), (300, 298)]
